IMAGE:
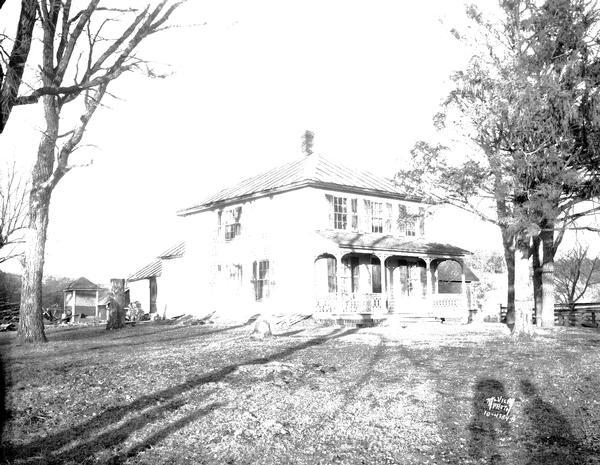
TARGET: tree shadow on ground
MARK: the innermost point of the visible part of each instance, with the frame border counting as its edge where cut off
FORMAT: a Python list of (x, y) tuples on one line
[(107, 345), (92, 438), (485, 430), (552, 441), (289, 333)]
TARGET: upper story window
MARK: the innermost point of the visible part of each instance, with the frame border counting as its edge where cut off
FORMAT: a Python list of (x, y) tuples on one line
[(375, 215), (411, 222), (230, 223), (369, 216), (338, 211)]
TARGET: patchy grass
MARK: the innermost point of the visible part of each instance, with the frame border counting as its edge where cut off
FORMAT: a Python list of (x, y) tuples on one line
[(157, 394)]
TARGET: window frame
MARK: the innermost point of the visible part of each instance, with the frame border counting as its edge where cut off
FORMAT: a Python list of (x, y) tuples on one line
[(230, 223), (261, 279)]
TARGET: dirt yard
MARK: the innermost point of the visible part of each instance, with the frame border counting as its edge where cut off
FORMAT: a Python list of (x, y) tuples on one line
[(160, 393)]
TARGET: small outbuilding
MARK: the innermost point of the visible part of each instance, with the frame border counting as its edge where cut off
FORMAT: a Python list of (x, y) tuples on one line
[(82, 298)]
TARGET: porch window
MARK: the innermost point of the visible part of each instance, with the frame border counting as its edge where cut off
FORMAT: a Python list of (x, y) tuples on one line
[(354, 274), (261, 279), (231, 219), (375, 213), (338, 211), (331, 274), (375, 275)]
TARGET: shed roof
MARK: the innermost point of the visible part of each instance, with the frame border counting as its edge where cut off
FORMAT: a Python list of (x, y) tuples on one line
[(391, 243), (176, 251), (81, 284), (151, 270), (313, 170)]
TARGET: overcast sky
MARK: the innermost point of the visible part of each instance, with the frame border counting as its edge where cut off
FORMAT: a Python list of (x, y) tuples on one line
[(247, 79)]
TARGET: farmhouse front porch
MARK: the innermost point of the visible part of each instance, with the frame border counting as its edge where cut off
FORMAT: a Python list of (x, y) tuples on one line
[(398, 279)]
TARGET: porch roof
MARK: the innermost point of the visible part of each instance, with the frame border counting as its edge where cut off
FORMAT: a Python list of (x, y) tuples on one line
[(390, 243)]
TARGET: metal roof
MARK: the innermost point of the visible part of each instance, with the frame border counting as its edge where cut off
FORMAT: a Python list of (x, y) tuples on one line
[(312, 170), (178, 250), (149, 271), (154, 268), (375, 241)]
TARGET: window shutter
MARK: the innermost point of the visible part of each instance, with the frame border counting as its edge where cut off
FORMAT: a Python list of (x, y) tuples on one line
[(366, 217), (402, 219), (219, 218), (330, 207), (354, 216), (388, 218), (421, 221)]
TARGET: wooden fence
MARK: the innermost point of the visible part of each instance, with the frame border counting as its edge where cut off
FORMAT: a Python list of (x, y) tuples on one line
[(578, 314)]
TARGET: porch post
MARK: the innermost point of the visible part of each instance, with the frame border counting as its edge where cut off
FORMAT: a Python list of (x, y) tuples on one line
[(428, 276), (463, 286), (73, 306), (382, 258)]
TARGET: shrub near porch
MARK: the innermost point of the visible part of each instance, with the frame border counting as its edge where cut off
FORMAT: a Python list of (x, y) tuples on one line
[(158, 394)]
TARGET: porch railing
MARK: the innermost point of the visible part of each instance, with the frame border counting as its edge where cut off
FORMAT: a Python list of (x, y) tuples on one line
[(350, 303), (448, 305), (440, 305)]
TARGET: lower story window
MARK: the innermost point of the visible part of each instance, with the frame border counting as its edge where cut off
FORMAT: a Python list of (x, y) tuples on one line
[(261, 279)]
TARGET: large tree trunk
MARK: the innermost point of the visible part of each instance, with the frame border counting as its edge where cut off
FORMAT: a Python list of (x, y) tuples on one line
[(523, 289), (537, 278), (116, 317), (548, 246), (31, 324), (508, 241)]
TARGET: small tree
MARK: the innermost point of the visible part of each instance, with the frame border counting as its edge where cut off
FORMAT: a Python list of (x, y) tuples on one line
[(13, 209), (576, 274)]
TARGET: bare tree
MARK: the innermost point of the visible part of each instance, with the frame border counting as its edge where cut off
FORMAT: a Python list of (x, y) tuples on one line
[(13, 210), (83, 51), (575, 274)]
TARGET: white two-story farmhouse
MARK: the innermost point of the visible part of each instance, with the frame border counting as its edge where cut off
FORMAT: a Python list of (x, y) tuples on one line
[(313, 236)]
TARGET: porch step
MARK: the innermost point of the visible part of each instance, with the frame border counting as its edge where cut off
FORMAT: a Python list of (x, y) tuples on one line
[(351, 319), (410, 318)]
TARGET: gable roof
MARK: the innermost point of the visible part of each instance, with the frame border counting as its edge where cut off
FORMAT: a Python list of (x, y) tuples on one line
[(374, 241), (312, 170), (81, 284)]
